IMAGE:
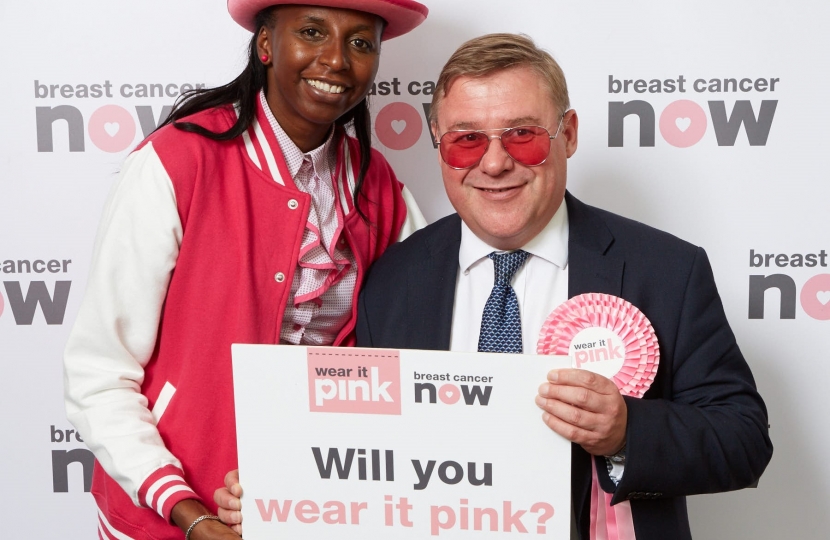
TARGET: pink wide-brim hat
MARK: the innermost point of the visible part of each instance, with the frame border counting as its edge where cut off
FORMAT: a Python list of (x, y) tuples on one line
[(401, 16)]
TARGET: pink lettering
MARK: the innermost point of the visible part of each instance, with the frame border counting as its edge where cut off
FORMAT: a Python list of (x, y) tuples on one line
[(443, 518), (356, 508), (274, 509), (306, 511), (436, 523), (492, 518), (513, 519), (615, 351), (335, 513)]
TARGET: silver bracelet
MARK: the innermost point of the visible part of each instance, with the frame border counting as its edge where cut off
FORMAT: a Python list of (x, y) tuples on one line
[(197, 521)]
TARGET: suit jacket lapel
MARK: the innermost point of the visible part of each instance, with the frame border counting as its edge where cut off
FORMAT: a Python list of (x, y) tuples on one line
[(591, 267), (431, 287)]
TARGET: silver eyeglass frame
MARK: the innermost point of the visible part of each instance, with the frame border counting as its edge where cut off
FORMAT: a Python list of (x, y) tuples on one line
[(491, 137)]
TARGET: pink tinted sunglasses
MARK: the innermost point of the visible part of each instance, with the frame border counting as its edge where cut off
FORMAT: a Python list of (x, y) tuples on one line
[(528, 145)]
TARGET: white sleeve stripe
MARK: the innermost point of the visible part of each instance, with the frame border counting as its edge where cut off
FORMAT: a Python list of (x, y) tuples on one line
[(249, 147), (269, 154), (163, 401), (414, 218), (170, 491), (158, 484), (109, 530)]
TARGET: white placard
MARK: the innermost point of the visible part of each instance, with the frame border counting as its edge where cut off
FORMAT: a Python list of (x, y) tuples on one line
[(359, 443)]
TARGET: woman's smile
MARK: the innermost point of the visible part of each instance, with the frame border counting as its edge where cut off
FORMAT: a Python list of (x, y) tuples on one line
[(325, 87)]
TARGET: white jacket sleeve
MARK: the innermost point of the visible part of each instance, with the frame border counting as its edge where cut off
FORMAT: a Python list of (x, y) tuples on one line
[(115, 332), (414, 218)]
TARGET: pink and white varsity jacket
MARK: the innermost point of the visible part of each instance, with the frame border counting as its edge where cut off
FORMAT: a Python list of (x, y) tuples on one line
[(196, 250)]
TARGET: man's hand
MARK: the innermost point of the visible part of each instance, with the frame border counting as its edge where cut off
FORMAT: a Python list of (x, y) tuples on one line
[(585, 408), (229, 503)]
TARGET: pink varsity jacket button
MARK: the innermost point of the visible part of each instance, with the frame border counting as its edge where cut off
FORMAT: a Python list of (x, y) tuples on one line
[(293, 204), (279, 277)]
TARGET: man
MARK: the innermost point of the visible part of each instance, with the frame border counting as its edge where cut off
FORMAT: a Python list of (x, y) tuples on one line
[(701, 428)]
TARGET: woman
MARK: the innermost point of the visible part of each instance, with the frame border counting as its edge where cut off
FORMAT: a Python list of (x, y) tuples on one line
[(249, 216)]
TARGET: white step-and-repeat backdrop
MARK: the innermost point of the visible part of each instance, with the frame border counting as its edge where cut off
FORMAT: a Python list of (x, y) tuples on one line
[(706, 119)]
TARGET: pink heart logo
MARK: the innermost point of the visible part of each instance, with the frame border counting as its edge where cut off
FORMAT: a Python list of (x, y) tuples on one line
[(449, 394), (398, 126), (683, 124)]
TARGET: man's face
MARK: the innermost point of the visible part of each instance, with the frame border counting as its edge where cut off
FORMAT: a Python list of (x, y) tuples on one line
[(503, 202)]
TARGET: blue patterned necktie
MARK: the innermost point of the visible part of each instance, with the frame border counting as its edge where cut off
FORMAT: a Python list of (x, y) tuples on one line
[(501, 325)]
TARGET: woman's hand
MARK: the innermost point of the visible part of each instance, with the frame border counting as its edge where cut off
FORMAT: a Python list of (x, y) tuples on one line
[(229, 503), (187, 511)]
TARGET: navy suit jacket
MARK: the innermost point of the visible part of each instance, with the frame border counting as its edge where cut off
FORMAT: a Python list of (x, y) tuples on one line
[(701, 427)]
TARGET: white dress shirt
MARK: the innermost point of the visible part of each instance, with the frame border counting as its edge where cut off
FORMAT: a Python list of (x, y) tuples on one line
[(541, 284)]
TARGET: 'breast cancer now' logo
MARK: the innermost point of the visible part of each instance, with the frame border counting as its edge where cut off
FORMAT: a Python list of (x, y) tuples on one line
[(683, 122), (364, 381)]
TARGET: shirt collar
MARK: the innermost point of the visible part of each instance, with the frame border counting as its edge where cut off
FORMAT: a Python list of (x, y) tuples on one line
[(550, 244), (321, 157)]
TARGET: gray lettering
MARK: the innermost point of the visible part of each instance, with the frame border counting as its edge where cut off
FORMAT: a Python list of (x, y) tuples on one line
[(60, 468), (759, 284), (146, 119), (457, 472), (486, 480), (419, 392), (54, 308), (757, 130), (423, 476), (618, 110), (46, 117)]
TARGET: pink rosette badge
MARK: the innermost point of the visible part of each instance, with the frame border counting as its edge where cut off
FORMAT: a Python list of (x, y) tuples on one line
[(607, 335)]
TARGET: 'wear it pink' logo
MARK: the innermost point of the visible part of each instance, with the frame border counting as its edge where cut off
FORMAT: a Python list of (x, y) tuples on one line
[(364, 381)]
